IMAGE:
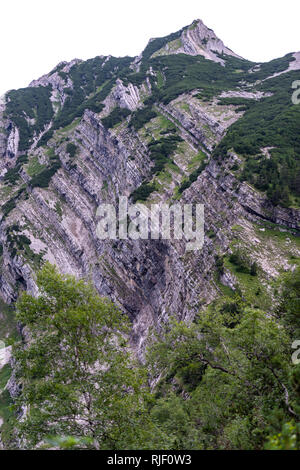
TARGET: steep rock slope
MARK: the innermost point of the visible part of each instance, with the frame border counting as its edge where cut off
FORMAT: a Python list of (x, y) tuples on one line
[(168, 126), (197, 39)]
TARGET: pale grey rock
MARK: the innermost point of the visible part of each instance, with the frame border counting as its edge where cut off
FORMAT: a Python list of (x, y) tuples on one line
[(293, 65), (228, 279), (198, 39), (257, 95)]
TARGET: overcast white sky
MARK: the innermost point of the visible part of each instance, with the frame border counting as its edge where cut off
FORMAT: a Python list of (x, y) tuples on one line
[(36, 34)]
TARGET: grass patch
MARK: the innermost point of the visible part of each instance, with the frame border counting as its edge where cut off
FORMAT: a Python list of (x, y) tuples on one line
[(34, 167), (160, 79), (280, 237), (70, 127), (251, 286), (5, 374)]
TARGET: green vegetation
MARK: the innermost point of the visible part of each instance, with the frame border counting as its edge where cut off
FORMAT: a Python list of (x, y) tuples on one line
[(243, 104), (273, 123), (7, 416), (34, 166), (92, 82), (157, 44), (79, 380), (185, 73), (143, 192), (5, 374), (11, 203), (71, 149), (194, 175), (12, 176), (19, 244), (8, 323), (242, 262), (160, 79), (115, 117), (160, 152), (15, 241), (241, 353), (8, 207), (29, 103), (141, 117), (269, 122), (8, 334), (225, 380), (43, 178)]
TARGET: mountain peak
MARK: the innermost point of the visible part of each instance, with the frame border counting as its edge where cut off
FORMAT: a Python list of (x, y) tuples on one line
[(197, 39)]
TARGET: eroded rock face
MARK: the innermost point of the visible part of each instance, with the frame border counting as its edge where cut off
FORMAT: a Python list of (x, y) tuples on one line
[(12, 142), (149, 279), (198, 39), (9, 138), (57, 81)]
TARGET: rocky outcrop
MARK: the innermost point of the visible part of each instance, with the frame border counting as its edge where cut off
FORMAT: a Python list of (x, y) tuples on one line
[(293, 65), (12, 141), (201, 123), (59, 81), (259, 205), (130, 97)]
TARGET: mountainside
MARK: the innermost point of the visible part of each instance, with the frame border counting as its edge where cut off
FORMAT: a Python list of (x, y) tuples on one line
[(187, 120)]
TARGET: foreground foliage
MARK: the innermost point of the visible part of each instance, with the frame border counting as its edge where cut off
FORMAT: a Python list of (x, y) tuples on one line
[(229, 378), (225, 381), (78, 379)]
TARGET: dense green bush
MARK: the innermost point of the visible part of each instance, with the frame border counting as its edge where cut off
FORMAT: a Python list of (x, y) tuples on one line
[(143, 192), (64, 356), (272, 122), (243, 103), (33, 103), (220, 265), (161, 150), (94, 77), (192, 178), (115, 117), (11, 203), (157, 44), (12, 175), (141, 117), (71, 149), (8, 206), (44, 139), (240, 259), (43, 178), (225, 405)]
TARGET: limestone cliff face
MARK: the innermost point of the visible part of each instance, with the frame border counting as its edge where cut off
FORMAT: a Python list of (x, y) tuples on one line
[(153, 279)]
